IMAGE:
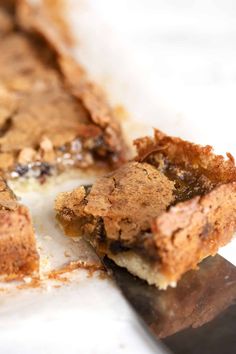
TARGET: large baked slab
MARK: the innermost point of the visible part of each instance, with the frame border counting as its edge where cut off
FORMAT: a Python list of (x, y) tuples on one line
[(51, 115), (160, 214)]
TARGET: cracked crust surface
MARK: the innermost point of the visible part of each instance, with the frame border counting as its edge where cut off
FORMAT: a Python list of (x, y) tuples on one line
[(169, 209), (45, 94), (122, 199), (18, 254), (128, 199)]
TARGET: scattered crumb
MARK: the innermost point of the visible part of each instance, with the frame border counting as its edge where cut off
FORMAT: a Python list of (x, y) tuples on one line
[(103, 274), (34, 283), (57, 286), (75, 238), (61, 275), (91, 268), (27, 280), (3, 290)]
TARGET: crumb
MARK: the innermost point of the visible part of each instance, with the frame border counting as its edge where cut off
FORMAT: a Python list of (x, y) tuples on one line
[(27, 280)]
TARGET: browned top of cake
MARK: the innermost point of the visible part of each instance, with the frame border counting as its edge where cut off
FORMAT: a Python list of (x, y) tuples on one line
[(128, 199), (47, 102)]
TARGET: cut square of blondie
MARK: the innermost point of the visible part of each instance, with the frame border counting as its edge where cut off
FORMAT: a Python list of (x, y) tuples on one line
[(160, 214)]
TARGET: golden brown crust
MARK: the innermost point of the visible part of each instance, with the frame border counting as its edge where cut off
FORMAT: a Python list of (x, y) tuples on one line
[(121, 200), (45, 94), (193, 229), (128, 199), (188, 155), (69, 207), (18, 254)]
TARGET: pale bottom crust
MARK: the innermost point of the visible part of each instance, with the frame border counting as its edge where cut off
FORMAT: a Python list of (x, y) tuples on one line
[(137, 266)]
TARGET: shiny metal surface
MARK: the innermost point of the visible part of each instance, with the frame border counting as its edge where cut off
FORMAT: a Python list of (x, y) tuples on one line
[(196, 317)]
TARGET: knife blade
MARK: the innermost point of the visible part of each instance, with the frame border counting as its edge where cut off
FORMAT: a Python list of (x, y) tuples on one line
[(196, 317)]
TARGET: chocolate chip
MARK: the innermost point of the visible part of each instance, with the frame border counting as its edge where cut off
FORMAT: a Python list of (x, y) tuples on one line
[(87, 188), (99, 231), (98, 142), (62, 148), (21, 169), (117, 246), (6, 126), (45, 169)]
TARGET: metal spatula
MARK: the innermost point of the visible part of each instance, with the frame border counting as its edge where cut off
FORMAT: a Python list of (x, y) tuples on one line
[(196, 317)]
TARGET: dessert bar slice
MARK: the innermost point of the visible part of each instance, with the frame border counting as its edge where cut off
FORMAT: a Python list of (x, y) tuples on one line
[(51, 115), (160, 214), (18, 254)]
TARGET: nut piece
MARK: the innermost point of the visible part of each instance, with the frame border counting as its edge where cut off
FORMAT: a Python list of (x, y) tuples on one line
[(26, 155), (46, 149)]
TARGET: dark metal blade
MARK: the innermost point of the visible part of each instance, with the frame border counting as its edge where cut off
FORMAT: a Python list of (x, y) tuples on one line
[(196, 317)]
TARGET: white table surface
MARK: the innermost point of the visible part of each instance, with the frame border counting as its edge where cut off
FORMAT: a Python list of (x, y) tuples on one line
[(172, 65)]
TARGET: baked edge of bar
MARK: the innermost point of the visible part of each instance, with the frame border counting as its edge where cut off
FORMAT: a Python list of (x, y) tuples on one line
[(206, 240), (18, 250), (33, 19)]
